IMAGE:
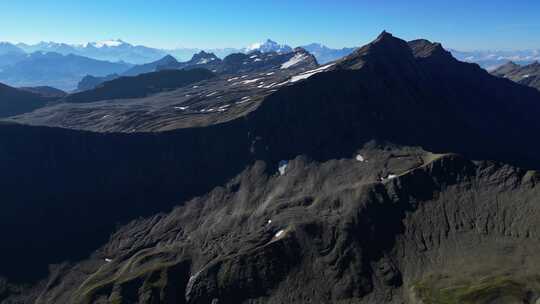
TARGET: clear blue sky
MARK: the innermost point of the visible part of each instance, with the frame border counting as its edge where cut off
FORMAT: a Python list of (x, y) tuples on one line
[(472, 24)]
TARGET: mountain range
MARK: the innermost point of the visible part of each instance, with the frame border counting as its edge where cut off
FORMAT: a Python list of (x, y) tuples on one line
[(108, 50), (91, 63), (231, 64), (118, 50), (396, 174), (490, 60), (145, 59)]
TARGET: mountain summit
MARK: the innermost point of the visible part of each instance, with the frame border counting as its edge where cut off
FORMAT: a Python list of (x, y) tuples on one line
[(269, 46)]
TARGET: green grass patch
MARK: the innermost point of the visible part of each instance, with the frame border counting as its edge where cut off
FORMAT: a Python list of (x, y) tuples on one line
[(439, 290)]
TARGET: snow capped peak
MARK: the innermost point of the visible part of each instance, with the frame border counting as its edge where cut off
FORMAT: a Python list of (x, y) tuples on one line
[(269, 46), (106, 43), (254, 46)]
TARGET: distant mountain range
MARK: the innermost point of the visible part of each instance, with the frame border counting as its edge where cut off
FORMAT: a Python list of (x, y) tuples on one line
[(119, 50), (10, 54), (109, 50), (490, 60), (56, 70), (233, 63)]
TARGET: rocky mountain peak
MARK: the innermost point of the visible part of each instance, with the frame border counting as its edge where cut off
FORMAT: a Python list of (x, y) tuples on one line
[(168, 59), (270, 46), (204, 58), (385, 48)]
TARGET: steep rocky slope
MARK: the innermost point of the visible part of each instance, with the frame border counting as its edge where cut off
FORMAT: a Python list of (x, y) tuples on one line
[(369, 231), (343, 185)]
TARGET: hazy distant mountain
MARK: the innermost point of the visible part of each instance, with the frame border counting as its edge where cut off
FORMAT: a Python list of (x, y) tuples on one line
[(10, 54), (150, 67), (493, 59), (269, 46), (46, 47), (118, 50), (110, 50), (6, 47), (56, 70), (325, 54)]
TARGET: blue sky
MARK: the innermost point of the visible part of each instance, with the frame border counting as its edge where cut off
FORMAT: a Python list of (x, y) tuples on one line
[(459, 24)]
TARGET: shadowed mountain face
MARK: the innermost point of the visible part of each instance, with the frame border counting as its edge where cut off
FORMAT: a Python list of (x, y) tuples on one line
[(340, 185), (528, 75), (45, 91), (17, 101), (139, 86)]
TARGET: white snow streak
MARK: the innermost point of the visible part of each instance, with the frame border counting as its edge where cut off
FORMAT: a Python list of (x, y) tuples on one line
[(293, 61)]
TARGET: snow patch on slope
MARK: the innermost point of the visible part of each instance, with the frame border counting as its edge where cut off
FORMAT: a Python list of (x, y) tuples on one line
[(296, 59)]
